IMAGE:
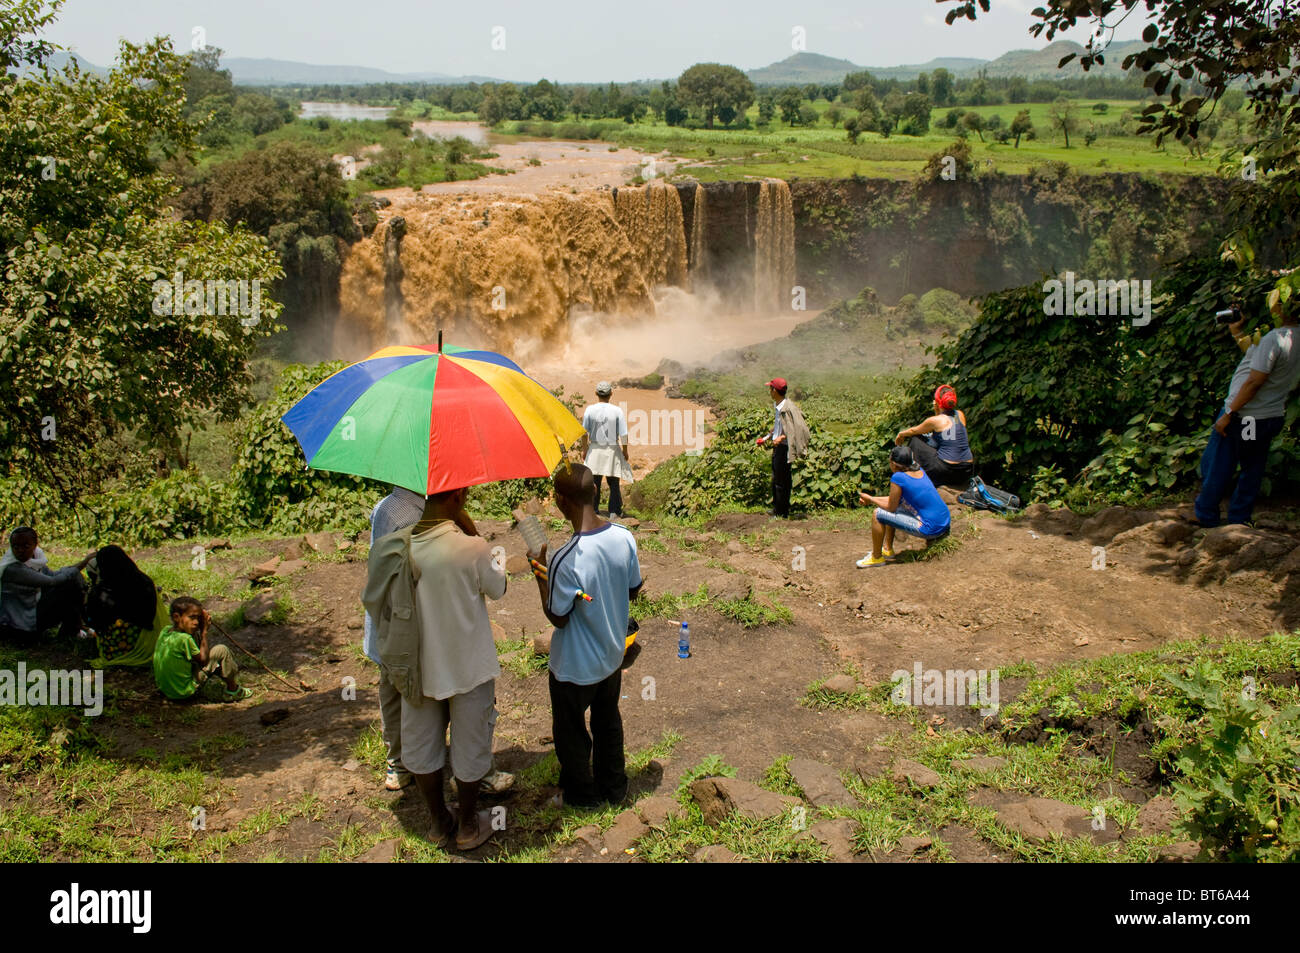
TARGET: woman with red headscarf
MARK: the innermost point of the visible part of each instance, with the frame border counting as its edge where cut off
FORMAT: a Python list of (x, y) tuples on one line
[(940, 443)]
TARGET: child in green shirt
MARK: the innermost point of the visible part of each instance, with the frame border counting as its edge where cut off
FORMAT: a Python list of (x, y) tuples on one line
[(181, 665)]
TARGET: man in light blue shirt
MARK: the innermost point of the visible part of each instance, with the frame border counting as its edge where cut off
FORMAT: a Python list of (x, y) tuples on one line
[(398, 510), (586, 590)]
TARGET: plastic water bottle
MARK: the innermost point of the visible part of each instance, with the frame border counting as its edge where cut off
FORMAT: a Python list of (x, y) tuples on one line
[(684, 643), (531, 530)]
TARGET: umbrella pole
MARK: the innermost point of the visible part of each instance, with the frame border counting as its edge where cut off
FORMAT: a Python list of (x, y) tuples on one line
[(440, 340)]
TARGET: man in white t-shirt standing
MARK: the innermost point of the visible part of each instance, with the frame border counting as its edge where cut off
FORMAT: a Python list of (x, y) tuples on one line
[(1253, 415), (453, 572), (604, 447)]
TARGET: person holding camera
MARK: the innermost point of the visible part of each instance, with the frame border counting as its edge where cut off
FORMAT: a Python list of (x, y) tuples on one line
[(1252, 415)]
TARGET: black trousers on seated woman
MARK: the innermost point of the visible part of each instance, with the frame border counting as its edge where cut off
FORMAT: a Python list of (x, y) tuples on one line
[(940, 472)]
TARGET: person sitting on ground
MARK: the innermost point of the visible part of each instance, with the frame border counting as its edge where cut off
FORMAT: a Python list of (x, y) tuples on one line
[(913, 505), (124, 609), (183, 662), (604, 447), (586, 592), (940, 443), (33, 598), (454, 572)]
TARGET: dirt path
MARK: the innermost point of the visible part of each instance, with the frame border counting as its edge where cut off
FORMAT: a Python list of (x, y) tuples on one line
[(1009, 590)]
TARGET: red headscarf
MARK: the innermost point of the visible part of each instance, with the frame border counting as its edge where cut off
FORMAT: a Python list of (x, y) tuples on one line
[(945, 397)]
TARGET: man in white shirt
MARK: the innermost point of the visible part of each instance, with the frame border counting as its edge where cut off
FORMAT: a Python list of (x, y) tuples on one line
[(453, 572), (604, 447)]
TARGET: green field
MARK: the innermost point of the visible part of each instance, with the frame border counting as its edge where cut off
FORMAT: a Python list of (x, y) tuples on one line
[(822, 151)]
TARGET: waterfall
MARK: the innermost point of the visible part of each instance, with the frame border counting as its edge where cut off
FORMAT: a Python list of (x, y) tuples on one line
[(773, 246), (699, 242), (652, 218)]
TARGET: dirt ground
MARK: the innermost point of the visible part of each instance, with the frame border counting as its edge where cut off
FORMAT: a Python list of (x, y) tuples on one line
[(1009, 590)]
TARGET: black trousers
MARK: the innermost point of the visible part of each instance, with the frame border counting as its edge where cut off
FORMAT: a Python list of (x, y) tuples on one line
[(940, 472), (781, 479), (615, 495), (60, 605), (592, 768)]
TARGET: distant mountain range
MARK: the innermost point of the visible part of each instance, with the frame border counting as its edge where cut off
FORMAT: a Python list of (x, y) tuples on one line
[(1032, 64), (797, 69)]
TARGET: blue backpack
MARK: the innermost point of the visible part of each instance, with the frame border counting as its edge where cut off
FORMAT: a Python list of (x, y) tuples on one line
[(983, 497)]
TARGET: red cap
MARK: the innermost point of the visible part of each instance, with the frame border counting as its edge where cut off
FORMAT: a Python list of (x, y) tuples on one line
[(945, 397), (779, 383)]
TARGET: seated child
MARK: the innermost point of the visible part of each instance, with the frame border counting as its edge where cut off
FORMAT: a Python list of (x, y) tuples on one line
[(181, 665)]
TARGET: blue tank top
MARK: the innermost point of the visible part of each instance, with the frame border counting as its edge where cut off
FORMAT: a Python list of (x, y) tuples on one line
[(952, 444), (919, 493)]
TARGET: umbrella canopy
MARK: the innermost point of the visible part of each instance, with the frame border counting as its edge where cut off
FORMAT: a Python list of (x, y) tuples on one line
[(432, 420)]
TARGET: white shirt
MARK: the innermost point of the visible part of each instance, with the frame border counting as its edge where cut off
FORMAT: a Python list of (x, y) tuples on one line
[(606, 426), (453, 572)]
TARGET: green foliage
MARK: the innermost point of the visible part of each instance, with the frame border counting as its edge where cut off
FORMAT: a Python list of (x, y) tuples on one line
[(86, 229), (1239, 790)]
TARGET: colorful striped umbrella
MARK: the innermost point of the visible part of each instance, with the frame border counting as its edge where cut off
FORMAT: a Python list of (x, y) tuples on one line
[(432, 420)]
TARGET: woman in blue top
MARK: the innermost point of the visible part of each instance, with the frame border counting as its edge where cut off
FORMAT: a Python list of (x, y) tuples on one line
[(913, 505)]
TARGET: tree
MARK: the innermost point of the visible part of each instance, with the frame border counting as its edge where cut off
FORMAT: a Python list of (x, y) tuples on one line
[(789, 101), (1021, 125), (808, 115), (86, 229), (1064, 115), (975, 123), (834, 114), (916, 113), (941, 87), (709, 85), (855, 81)]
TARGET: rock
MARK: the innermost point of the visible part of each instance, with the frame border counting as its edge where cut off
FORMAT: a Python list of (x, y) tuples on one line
[(1106, 524), (1265, 552), (916, 773), (1058, 520), (821, 784), (296, 549), (321, 543), (719, 797), (1157, 815), (1160, 533), (288, 567), (626, 830), (262, 570), (274, 716), (590, 836), (351, 764), (631, 522), (734, 546), (836, 836), (258, 609), (841, 684), (657, 811), (517, 565), (949, 495), (715, 854), (979, 763), (729, 587), (542, 642), (1042, 818), (499, 632), (215, 544), (914, 845), (382, 853), (534, 507), (1184, 852)]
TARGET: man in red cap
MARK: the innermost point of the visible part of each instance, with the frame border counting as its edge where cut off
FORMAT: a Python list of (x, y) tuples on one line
[(788, 442)]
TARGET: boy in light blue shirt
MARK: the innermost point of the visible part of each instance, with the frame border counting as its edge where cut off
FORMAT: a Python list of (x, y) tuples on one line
[(586, 590)]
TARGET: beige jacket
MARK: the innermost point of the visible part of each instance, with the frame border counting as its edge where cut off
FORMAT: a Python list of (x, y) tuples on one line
[(795, 430)]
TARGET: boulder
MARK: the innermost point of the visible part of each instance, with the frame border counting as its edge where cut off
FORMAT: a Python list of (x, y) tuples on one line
[(590, 837), (263, 570), (836, 835), (1184, 852), (321, 543), (1160, 533), (499, 632), (1104, 525), (915, 773), (841, 684), (215, 544), (626, 830), (729, 587), (821, 784), (715, 854), (1041, 818), (517, 565), (258, 609), (657, 811), (288, 567), (914, 845), (1157, 815), (542, 642), (382, 853), (719, 797)]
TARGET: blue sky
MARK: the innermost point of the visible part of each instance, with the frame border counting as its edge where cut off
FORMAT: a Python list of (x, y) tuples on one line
[(567, 40)]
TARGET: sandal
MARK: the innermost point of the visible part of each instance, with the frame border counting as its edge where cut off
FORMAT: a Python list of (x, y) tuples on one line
[(238, 695), (485, 832)]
